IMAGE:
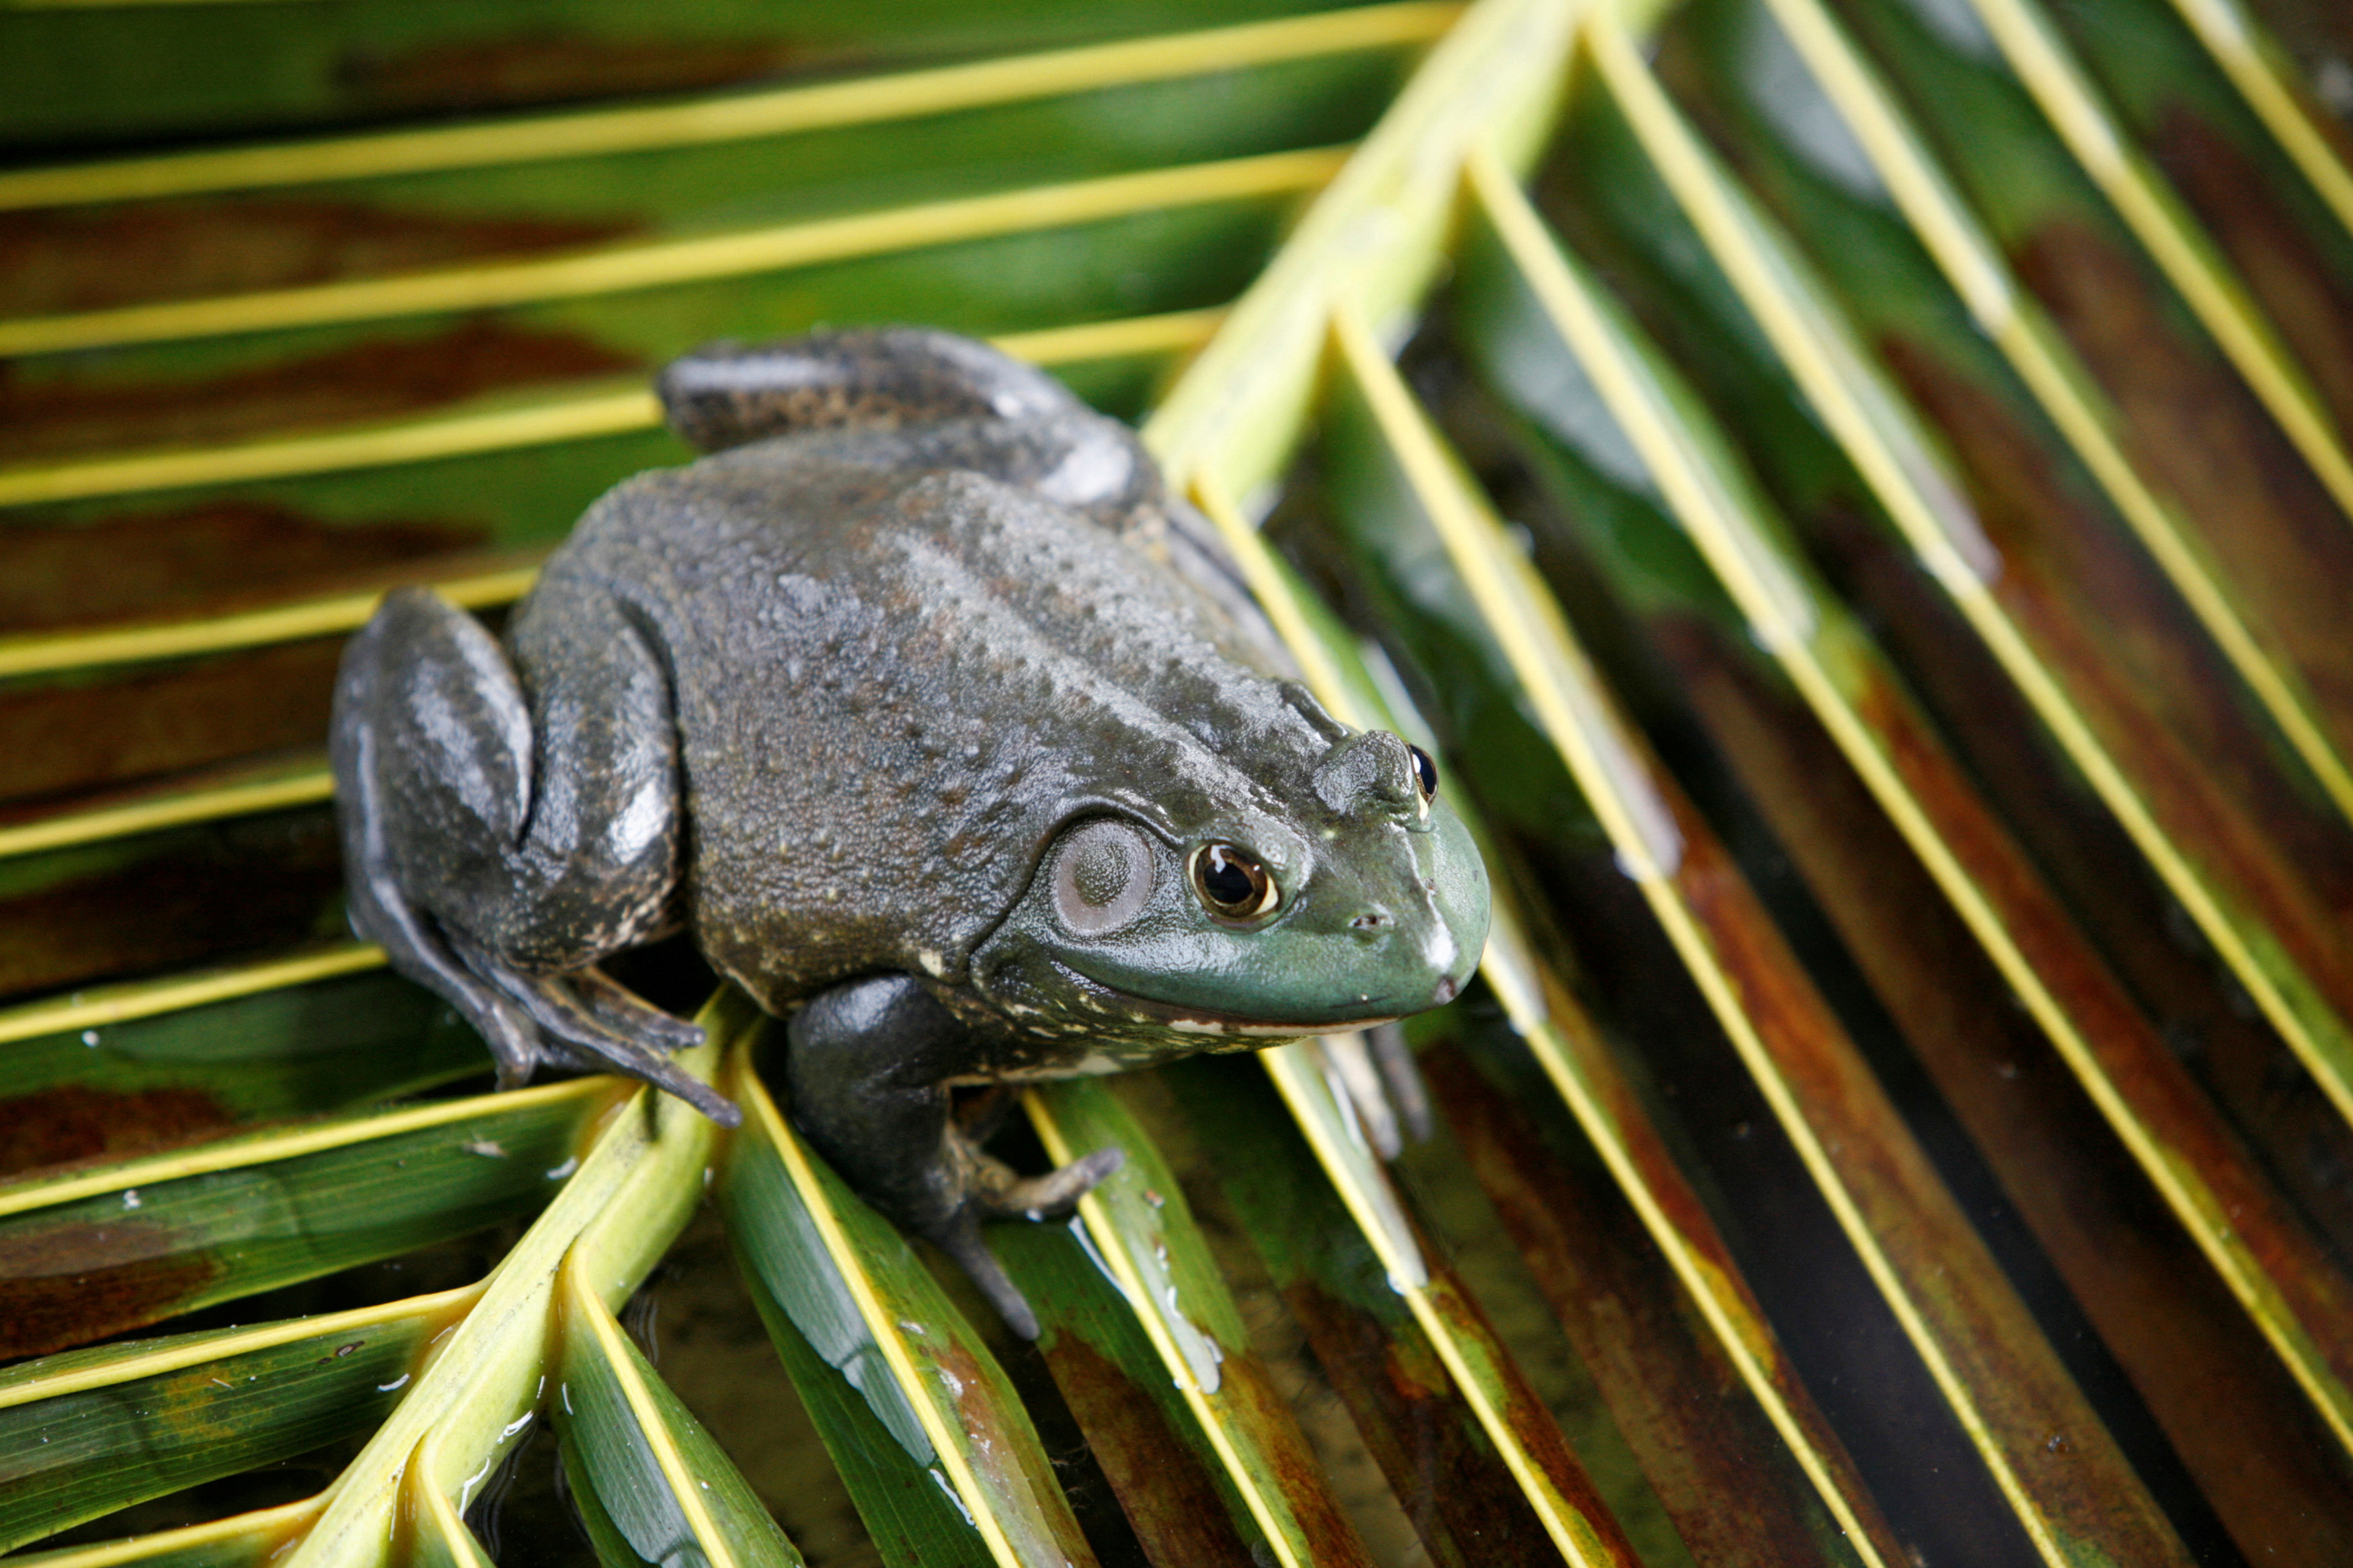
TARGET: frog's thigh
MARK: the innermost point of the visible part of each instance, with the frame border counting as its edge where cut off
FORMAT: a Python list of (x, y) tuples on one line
[(367, 741), (542, 829), (605, 815)]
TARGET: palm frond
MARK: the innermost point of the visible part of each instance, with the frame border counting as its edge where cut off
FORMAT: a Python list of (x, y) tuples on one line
[(1865, 525)]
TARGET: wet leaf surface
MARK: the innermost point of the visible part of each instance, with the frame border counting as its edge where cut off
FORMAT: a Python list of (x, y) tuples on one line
[(2286, 266), (148, 1084), (106, 1248), (917, 1414), (1893, 919), (1795, 1063), (1716, 1463), (176, 900), (1159, 1464), (61, 738), (1947, 1290), (1143, 1231), (366, 381), (212, 555), (2093, 1213), (278, 73), (135, 1420), (57, 261), (651, 1484), (1462, 1498)]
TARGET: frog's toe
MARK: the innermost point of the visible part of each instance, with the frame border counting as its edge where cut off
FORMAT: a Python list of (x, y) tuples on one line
[(616, 1004), (992, 1191), (613, 1051), (960, 1238), (998, 1193), (584, 1025), (515, 1042)]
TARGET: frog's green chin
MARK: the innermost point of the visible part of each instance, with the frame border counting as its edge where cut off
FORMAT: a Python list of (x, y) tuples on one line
[(1190, 1017)]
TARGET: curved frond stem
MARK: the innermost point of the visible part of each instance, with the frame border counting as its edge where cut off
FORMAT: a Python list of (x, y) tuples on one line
[(104, 1004), (2002, 1381), (580, 414), (2265, 79), (733, 117), (658, 263), (2277, 1271), (2178, 243)]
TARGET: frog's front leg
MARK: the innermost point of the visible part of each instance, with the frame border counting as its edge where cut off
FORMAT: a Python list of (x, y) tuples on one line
[(501, 843), (868, 1065)]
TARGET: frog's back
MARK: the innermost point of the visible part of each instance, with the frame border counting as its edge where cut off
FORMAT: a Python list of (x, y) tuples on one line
[(895, 685)]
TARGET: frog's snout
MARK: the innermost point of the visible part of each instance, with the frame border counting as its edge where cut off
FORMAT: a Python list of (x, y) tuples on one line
[(1410, 940), (1456, 880)]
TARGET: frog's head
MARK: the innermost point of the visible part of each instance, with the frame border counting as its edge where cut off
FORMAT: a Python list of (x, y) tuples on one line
[(1354, 896)]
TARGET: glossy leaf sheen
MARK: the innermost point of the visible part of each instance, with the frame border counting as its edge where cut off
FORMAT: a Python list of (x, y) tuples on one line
[(633, 1452), (138, 1250), (854, 1313), (214, 1407), (1143, 1228)]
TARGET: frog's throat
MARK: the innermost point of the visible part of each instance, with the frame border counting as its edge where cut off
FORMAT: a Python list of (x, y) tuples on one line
[(1221, 1026), (1187, 1019)]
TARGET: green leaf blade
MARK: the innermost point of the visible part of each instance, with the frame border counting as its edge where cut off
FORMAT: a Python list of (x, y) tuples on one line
[(137, 1421), (660, 1489), (930, 1430), (100, 1251)]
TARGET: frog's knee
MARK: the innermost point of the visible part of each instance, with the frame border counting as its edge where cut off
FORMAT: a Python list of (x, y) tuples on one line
[(726, 393), (429, 708)]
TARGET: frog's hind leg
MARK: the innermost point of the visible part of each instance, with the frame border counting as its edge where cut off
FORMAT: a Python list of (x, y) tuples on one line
[(498, 846), (868, 1066), (726, 394)]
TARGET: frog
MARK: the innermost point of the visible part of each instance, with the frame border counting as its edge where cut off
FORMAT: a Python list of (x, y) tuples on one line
[(954, 738)]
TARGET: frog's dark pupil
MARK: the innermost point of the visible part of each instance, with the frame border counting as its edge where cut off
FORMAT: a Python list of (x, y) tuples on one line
[(1230, 880), (1425, 772)]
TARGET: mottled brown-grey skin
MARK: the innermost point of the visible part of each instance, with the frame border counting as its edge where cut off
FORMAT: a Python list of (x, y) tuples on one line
[(869, 702), (956, 675), (896, 685)]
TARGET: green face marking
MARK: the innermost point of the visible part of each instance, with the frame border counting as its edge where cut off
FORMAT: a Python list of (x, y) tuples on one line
[(1367, 901)]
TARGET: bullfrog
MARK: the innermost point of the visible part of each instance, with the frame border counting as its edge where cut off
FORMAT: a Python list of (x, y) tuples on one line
[(949, 734)]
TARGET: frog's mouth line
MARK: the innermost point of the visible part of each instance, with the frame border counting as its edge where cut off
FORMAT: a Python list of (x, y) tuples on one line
[(1188, 1019)]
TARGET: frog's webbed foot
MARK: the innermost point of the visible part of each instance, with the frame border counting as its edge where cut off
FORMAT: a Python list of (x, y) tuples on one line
[(868, 1067), (585, 1019)]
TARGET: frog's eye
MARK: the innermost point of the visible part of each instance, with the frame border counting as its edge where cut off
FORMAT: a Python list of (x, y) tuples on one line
[(1232, 883), (1425, 774), (1102, 876)]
